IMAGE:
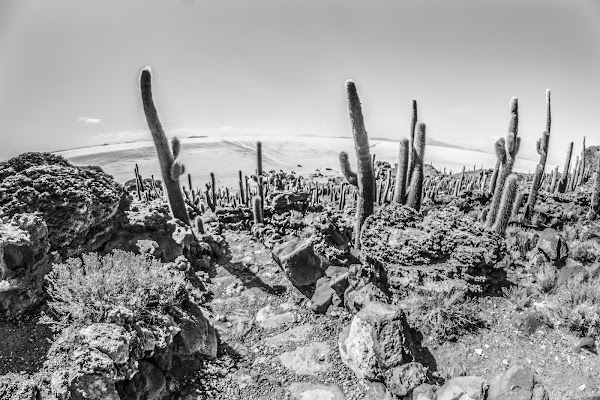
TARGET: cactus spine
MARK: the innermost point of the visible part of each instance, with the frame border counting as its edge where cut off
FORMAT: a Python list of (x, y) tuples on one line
[(510, 151), (562, 184), (416, 180), (365, 174), (171, 168), (508, 198), (401, 173)]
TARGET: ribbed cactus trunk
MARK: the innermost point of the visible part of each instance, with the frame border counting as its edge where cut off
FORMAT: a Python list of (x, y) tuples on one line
[(259, 172), (365, 174), (582, 166), (411, 151), (506, 204), (401, 173), (542, 149), (171, 169), (517, 205), (511, 149), (494, 177), (416, 181), (573, 178), (347, 170), (564, 178), (595, 200), (554, 181)]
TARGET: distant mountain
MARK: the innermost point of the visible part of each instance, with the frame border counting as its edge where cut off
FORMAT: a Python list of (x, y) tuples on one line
[(432, 142)]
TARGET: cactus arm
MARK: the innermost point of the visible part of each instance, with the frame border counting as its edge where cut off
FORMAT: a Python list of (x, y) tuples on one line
[(401, 172), (411, 149), (350, 175), (416, 181), (508, 198)]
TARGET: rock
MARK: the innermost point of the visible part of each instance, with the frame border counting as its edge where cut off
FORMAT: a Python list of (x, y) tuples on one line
[(463, 388), (516, 383), (197, 335), (307, 360), (313, 391), (417, 251), (424, 391), (298, 260), (354, 300), (149, 382), (335, 270), (378, 391), (77, 203), (551, 244), (401, 380), (112, 340), (281, 202), (24, 262), (587, 343), (17, 387), (296, 334), (268, 318), (376, 340), (93, 387), (340, 283), (570, 269), (323, 296)]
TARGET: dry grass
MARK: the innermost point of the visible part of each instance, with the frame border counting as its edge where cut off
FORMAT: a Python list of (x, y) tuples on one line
[(85, 290), (578, 304)]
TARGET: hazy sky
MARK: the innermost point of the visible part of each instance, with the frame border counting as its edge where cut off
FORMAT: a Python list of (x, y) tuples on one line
[(69, 68)]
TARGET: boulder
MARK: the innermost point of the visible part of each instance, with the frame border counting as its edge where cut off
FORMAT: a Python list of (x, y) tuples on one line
[(354, 300), (149, 382), (401, 380), (424, 391), (463, 388), (323, 296), (376, 340), (516, 383), (378, 391), (198, 336), (298, 260), (77, 203), (17, 387), (553, 246), (112, 340)]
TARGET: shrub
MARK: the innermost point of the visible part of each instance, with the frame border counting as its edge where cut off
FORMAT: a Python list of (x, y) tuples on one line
[(546, 277), (585, 252), (519, 296), (443, 315), (85, 290), (578, 303)]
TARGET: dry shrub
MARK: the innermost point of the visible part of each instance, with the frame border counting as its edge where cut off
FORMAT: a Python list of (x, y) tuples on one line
[(546, 277), (578, 303), (586, 252), (85, 290), (518, 296)]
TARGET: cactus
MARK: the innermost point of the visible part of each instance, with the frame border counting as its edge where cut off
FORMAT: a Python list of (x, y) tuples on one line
[(562, 184), (347, 170), (411, 152), (365, 174), (401, 172), (554, 181), (507, 158), (508, 198), (257, 209), (501, 159), (416, 181), (542, 149), (573, 178), (517, 205), (595, 200), (582, 166), (171, 168)]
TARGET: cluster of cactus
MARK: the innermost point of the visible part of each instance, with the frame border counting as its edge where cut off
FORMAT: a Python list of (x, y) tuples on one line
[(147, 190)]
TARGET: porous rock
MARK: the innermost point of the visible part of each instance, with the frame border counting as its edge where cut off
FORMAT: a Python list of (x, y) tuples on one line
[(298, 260), (463, 388), (516, 383), (401, 380)]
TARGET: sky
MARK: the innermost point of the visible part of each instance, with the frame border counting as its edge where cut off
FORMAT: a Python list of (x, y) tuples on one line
[(69, 69)]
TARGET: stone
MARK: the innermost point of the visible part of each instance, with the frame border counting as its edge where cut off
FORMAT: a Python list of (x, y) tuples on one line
[(463, 388), (354, 300), (268, 318), (323, 296), (378, 391), (376, 340), (552, 245), (17, 387), (340, 283), (112, 340), (570, 269), (516, 383), (424, 391), (335, 270), (401, 380), (298, 260), (312, 359), (149, 382), (295, 334), (197, 336), (313, 391), (77, 203)]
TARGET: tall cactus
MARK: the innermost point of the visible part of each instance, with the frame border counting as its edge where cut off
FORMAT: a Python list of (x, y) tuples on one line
[(506, 204), (170, 167), (582, 166), (554, 180), (500, 159), (365, 174), (411, 153), (401, 172), (416, 181), (562, 184), (511, 149), (595, 201), (542, 149)]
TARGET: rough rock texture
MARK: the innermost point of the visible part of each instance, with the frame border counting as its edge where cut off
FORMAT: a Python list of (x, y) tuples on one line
[(401, 380), (516, 383), (279, 202), (416, 251), (24, 261), (553, 246), (77, 203), (463, 388), (376, 340), (298, 260)]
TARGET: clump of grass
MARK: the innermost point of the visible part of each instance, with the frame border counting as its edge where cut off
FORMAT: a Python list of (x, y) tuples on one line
[(85, 290), (443, 315), (518, 296), (546, 277), (585, 252), (578, 303)]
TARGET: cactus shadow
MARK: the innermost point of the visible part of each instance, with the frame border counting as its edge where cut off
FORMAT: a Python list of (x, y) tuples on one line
[(251, 280)]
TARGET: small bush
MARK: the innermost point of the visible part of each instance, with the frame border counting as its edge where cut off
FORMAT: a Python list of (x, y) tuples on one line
[(85, 290), (519, 296), (585, 252), (443, 315), (546, 277), (578, 304)]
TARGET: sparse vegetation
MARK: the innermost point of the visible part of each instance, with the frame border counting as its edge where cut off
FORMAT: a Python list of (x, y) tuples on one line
[(577, 302)]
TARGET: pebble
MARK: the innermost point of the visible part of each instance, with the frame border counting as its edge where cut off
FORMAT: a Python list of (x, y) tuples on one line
[(479, 352)]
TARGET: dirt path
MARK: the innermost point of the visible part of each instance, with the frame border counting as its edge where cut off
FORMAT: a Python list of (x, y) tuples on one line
[(271, 346)]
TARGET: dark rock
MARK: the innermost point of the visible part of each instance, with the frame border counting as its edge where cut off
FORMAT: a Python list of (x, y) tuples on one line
[(516, 383), (377, 339), (77, 203), (323, 296), (197, 335), (551, 244), (298, 260), (378, 391), (401, 380), (354, 300), (149, 382)]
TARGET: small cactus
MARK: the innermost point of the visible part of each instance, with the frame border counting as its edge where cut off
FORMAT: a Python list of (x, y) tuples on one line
[(411, 152), (416, 181), (347, 170), (508, 198), (401, 172), (562, 184), (257, 209)]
